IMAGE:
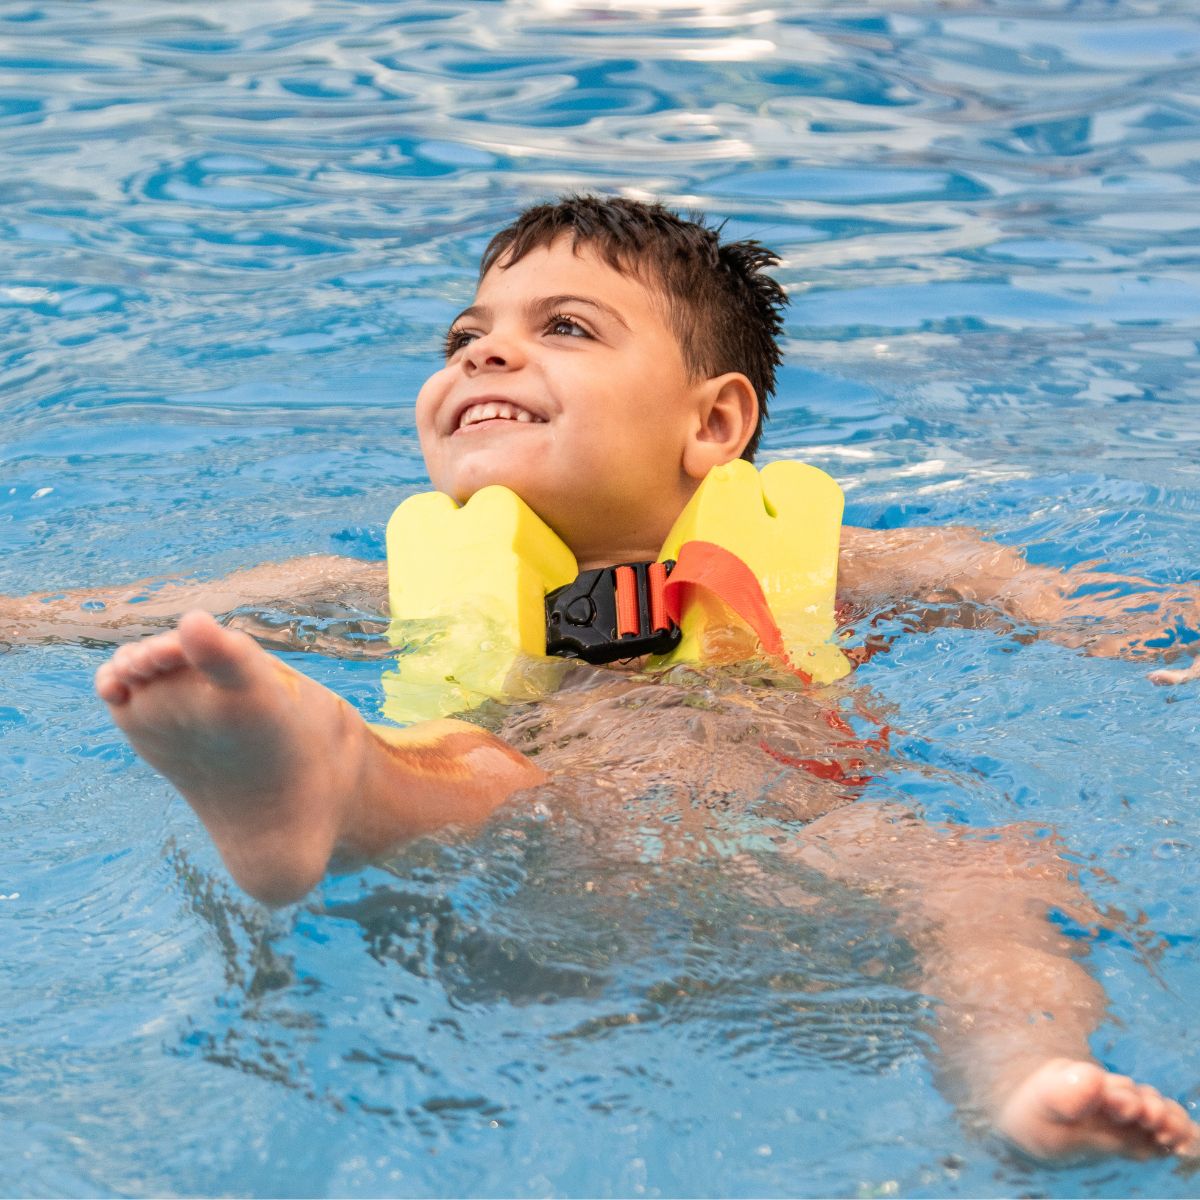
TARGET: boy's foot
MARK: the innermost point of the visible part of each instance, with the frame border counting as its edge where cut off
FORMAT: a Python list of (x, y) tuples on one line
[(1068, 1109), (267, 758)]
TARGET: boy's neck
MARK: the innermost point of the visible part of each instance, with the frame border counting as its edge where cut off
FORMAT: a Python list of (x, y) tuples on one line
[(625, 538), (614, 556), (612, 547)]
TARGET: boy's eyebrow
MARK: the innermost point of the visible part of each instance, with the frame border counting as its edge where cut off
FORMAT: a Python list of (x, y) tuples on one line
[(545, 305)]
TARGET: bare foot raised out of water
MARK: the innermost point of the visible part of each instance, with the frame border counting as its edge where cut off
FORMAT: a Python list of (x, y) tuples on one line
[(261, 753), (1072, 1110), (283, 772)]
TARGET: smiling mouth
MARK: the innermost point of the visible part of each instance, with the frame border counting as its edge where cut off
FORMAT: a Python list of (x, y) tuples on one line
[(497, 410)]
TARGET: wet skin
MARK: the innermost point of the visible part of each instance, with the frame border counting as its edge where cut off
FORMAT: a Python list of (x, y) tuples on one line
[(620, 434), (284, 775), (565, 382)]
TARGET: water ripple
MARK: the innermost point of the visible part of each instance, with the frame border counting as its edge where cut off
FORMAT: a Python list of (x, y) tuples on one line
[(231, 237)]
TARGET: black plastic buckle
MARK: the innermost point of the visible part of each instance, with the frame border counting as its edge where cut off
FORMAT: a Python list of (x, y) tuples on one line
[(581, 619)]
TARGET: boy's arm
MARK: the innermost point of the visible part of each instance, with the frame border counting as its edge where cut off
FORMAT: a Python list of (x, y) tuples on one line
[(130, 611), (966, 580)]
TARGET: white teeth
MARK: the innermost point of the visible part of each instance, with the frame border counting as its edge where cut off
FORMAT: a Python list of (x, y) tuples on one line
[(494, 410)]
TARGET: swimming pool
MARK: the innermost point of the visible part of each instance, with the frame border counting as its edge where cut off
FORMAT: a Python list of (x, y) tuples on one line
[(231, 240)]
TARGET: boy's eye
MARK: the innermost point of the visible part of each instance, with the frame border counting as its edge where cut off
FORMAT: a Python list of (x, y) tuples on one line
[(559, 325), (456, 339), (563, 326)]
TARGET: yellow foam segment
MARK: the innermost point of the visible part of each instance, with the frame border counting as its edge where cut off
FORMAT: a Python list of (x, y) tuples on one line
[(467, 585), (467, 591), (784, 522)]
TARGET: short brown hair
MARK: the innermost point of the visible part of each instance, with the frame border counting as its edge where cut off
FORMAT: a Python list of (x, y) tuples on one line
[(725, 312)]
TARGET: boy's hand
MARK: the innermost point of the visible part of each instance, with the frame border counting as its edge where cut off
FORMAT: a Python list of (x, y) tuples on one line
[(1180, 675), (964, 579)]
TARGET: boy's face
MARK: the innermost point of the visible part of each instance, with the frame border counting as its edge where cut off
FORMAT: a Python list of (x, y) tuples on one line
[(564, 383)]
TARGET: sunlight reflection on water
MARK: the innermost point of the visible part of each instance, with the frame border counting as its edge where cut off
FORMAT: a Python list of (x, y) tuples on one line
[(231, 240)]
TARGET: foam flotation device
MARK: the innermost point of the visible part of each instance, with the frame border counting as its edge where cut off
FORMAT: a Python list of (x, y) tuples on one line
[(468, 588)]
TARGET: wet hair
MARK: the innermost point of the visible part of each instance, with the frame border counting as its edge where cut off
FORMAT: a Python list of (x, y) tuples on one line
[(725, 312)]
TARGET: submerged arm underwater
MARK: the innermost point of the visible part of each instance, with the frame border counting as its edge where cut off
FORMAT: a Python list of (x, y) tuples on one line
[(951, 575), (280, 604), (929, 577)]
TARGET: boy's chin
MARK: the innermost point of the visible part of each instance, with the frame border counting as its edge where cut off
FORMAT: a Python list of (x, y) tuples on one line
[(465, 479), (463, 490)]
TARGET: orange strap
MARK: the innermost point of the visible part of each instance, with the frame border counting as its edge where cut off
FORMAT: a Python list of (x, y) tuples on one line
[(627, 602), (656, 576), (707, 565)]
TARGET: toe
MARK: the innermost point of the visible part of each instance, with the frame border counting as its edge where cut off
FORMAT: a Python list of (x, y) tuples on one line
[(122, 663), (1177, 1128), (164, 653), (224, 655), (1078, 1088), (1122, 1099), (1153, 1107), (138, 663), (109, 686)]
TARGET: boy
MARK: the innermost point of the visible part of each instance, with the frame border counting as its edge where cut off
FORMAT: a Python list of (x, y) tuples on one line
[(613, 356)]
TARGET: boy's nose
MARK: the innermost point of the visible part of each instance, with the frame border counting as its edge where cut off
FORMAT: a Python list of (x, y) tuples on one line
[(490, 353)]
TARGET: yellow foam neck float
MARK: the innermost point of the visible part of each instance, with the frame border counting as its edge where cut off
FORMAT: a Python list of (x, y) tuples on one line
[(468, 588)]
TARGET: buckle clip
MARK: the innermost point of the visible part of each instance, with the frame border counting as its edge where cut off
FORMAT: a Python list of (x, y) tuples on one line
[(612, 613)]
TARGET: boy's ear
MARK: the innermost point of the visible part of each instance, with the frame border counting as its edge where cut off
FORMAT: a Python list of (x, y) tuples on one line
[(728, 414)]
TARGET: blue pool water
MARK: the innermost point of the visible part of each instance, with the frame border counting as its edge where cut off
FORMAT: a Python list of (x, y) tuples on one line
[(231, 235)]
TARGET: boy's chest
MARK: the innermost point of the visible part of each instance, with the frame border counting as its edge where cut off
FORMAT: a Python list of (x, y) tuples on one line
[(716, 754)]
